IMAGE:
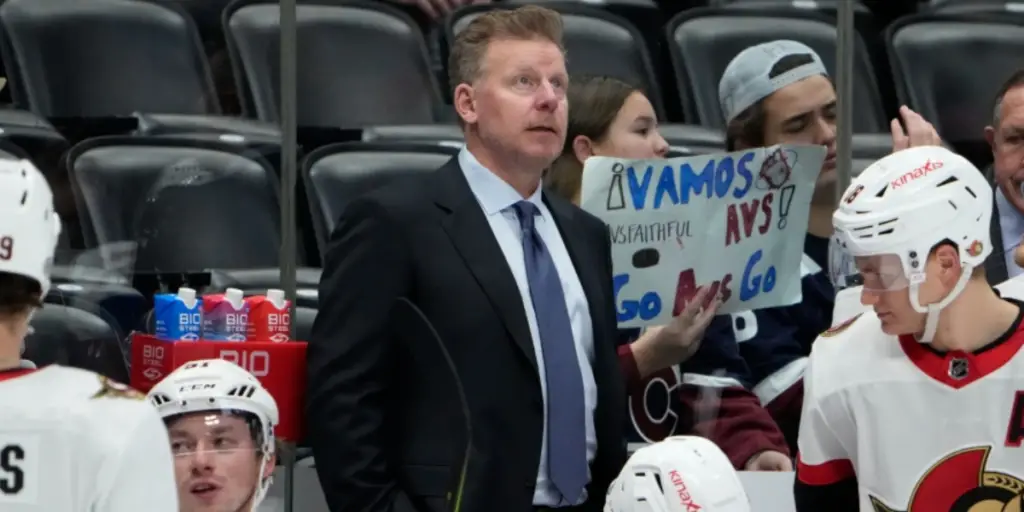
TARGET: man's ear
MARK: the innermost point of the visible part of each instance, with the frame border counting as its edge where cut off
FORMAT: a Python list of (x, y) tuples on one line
[(990, 137), (582, 148), (465, 103), (268, 468), (949, 262)]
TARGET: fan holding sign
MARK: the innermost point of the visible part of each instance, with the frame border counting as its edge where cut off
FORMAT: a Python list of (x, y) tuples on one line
[(668, 369), (734, 220)]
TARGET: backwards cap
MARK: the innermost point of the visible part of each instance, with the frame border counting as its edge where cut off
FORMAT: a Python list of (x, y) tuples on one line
[(746, 79)]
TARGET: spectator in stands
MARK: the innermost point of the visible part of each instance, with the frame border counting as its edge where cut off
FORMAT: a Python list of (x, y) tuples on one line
[(608, 117), (515, 283), (780, 93), (1006, 137)]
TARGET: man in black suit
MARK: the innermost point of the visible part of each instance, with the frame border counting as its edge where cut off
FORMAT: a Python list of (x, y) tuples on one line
[(518, 285)]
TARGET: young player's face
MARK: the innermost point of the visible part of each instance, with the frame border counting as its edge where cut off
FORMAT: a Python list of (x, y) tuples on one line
[(804, 112), (216, 462), (887, 290)]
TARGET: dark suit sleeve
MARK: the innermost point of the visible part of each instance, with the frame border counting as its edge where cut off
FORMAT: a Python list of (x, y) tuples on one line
[(366, 268), (613, 457)]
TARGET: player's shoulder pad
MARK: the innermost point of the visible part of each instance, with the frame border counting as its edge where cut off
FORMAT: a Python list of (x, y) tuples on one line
[(110, 388)]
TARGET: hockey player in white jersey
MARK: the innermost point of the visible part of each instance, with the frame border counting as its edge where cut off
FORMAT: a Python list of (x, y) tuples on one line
[(918, 404), (221, 422), (70, 440), (678, 474)]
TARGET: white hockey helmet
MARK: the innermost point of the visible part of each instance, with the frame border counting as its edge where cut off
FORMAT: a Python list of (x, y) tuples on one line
[(908, 202), (679, 474), (221, 386), (29, 226)]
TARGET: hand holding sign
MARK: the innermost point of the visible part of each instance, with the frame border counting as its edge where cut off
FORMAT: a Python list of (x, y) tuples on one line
[(681, 338), (736, 221)]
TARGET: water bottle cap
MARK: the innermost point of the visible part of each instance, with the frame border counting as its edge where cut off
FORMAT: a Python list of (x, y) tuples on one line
[(276, 297), (187, 295), (234, 296)]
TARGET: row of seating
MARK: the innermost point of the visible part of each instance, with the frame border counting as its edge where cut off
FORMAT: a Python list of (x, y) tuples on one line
[(366, 63), (165, 193)]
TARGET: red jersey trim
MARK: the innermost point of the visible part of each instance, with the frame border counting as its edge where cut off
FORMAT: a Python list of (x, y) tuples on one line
[(957, 368), (13, 374), (827, 473)]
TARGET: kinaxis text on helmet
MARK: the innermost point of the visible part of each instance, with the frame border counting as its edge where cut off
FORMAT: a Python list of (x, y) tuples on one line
[(928, 167), (684, 494)]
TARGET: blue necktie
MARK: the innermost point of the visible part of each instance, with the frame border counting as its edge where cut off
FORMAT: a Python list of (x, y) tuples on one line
[(567, 431)]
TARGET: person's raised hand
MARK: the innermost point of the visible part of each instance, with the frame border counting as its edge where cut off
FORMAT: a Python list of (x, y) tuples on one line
[(682, 336), (769, 460), (915, 131)]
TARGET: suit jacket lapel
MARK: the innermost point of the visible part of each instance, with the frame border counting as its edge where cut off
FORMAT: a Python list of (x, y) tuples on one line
[(469, 231)]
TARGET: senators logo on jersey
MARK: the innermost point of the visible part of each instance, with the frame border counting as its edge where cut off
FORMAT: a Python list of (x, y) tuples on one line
[(960, 483), (113, 389)]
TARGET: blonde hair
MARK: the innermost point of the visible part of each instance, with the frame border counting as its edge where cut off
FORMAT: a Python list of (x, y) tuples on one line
[(524, 23)]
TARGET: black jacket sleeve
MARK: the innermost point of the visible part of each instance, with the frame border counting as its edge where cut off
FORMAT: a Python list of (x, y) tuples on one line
[(350, 367)]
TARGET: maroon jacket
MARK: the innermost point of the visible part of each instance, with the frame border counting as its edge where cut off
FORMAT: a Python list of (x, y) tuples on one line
[(717, 408)]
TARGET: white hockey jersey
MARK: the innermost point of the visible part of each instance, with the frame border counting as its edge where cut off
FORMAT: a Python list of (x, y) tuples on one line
[(921, 431), (73, 441)]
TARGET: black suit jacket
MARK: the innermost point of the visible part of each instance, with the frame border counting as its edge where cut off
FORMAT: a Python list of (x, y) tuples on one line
[(383, 417)]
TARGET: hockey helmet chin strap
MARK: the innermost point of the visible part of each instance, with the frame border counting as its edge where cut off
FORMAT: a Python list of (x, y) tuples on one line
[(932, 311), (264, 481)]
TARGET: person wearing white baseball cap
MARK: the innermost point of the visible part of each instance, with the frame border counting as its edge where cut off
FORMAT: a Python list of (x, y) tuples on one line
[(221, 423), (70, 440), (780, 92)]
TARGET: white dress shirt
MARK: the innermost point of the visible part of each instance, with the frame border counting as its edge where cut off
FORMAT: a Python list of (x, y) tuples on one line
[(496, 198)]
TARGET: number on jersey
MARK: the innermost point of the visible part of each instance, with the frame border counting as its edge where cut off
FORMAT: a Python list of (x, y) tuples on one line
[(12, 469)]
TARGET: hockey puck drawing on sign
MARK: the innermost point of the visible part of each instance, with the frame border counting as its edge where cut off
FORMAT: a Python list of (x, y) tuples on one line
[(776, 169), (646, 258)]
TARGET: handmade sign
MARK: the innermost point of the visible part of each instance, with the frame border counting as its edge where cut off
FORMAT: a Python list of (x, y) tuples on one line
[(735, 222)]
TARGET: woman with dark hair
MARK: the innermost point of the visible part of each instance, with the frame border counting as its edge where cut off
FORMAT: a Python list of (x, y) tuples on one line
[(608, 117)]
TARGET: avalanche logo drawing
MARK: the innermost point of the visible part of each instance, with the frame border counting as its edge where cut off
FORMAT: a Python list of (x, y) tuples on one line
[(960, 483)]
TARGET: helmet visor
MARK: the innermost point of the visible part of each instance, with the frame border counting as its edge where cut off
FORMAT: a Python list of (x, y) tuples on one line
[(879, 273)]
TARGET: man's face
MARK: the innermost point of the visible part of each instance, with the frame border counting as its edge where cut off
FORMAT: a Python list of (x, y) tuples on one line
[(518, 103), (1007, 143), (804, 112), (216, 463), (887, 288)]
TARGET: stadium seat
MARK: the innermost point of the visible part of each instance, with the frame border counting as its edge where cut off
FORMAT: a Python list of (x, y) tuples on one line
[(1003, 7), (441, 134), (949, 68), (73, 337), (104, 58), (703, 41), (189, 205), (34, 135), (829, 7), (257, 282), (688, 140), (597, 42), (336, 174), (359, 63)]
